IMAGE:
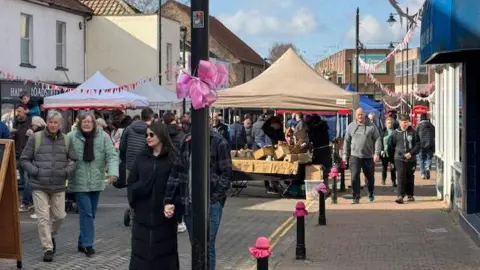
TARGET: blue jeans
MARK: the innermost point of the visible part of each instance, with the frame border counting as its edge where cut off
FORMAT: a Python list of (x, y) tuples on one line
[(87, 203), (27, 188), (215, 216), (426, 156)]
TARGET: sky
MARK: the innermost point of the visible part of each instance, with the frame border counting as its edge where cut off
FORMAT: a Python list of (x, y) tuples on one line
[(318, 28)]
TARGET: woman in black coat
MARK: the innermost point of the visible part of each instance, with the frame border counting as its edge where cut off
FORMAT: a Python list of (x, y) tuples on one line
[(154, 236)]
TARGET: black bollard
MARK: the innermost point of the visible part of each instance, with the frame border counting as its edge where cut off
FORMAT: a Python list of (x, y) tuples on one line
[(342, 180), (334, 191), (261, 252), (262, 263), (300, 213), (322, 219)]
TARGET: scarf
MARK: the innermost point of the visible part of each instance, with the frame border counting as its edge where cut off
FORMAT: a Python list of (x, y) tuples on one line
[(88, 154)]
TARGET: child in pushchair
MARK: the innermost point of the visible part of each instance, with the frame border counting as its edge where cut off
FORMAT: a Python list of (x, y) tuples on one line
[(70, 204)]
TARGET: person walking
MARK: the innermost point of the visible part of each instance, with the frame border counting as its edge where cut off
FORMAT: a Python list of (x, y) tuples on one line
[(322, 153), (154, 234), (387, 153), (406, 143), (180, 183), (38, 124), (21, 125), (176, 134), (133, 139), (362, 147), (95, 151), (238, 134), (49, 159), (426, 132)]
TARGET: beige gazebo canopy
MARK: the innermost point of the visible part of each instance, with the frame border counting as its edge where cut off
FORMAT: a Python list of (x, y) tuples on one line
[(289, 83)]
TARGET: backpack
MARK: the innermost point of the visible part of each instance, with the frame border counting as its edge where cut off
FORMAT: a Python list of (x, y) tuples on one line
[(38, 141)]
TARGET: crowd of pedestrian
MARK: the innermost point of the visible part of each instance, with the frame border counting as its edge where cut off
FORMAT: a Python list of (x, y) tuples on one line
[(152, 155), (397, 145)]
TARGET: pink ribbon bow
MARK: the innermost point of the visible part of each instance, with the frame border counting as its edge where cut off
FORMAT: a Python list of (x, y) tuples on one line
[(300, 210), (322, 188), (201, 89), (333, 173), (261, 249)]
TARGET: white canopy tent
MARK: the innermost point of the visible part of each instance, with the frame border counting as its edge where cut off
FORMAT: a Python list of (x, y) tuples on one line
[(158, 96), (96, 98), (289, 83)]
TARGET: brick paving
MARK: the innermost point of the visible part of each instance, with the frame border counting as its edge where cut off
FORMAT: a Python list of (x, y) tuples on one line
[(244, 219), (384, 235)]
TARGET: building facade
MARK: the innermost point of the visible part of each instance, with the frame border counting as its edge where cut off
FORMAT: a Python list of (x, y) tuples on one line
[(340, 69), (125, 48), (41, 41), (244, 63), (454, 45)]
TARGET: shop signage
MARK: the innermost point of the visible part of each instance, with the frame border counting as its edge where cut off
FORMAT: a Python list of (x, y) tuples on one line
[(372, 59), (449, 26), (10, 90)]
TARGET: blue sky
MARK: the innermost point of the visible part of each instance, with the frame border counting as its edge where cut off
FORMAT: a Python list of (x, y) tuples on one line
[(317, 27)]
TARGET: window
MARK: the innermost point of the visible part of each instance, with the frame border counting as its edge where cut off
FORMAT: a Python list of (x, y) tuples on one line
[(26, 39), (253, 73), (244, 74), (423, 69), (169, 62), (398, 69), (61, 45), (339, 78)]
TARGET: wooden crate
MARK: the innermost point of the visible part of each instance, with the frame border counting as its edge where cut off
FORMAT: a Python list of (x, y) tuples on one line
[(263, 153)]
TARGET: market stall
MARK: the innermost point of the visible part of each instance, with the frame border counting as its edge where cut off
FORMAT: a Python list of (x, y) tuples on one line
[(159, 97), (96, 93), (289, 84)]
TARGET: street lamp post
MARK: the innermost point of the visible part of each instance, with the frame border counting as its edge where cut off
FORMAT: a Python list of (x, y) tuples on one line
[(391, 21), (183, 30), (357, 48), (159, 22), (200, 142)]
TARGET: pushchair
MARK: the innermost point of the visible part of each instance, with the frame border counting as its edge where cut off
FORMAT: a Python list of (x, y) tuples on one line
[(70, 204)]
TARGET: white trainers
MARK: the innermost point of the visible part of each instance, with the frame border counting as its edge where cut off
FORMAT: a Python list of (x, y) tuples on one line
[(181, 227), (34, 216)]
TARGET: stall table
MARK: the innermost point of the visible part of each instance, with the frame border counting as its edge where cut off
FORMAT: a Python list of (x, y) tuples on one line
[(245, 170)]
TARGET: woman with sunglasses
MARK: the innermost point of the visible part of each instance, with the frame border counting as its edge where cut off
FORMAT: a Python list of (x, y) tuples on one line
[(154, 234), (95, 151)]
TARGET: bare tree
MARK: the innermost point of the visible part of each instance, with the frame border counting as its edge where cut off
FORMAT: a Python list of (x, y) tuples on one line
[(279, 48), (150, 6)]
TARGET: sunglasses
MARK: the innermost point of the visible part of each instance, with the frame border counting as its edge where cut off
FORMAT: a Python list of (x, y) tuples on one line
[(149, 134)]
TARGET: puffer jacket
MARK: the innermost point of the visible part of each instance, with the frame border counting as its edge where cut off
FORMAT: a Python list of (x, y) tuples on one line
[(90, 176), (51, 165), (257, 132), (133, 143)]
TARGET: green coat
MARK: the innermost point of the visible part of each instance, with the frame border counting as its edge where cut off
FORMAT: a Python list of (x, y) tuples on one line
[(90, 176)]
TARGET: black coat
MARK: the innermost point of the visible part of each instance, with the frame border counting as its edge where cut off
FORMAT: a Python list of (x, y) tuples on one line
[(154, 237), (426, 132)]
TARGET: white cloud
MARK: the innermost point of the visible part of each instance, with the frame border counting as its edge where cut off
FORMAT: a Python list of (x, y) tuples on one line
[(374, 31), (281, 3), (257, 23)]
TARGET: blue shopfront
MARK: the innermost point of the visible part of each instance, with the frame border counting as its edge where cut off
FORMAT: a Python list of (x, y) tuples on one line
[(450, 39)]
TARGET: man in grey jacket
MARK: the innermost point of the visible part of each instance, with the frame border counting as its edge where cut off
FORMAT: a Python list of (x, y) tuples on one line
[(362, 147), (49, 159)]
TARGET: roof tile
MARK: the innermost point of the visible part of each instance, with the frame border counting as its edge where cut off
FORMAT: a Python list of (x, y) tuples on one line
[(109, 7)]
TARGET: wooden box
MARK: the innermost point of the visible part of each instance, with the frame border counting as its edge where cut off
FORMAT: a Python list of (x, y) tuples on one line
[(295, 149), (281, 152), (263, 153), (313, 172)]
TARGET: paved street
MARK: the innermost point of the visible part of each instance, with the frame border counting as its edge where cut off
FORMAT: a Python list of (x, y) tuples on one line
[(244, 219), (384, 235), (379, 235)]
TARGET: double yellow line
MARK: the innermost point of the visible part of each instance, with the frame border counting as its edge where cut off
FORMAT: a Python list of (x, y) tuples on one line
[(284, 228)]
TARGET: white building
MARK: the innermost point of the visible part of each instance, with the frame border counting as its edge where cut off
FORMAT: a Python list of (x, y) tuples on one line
[(41, 41), (447, 118)]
